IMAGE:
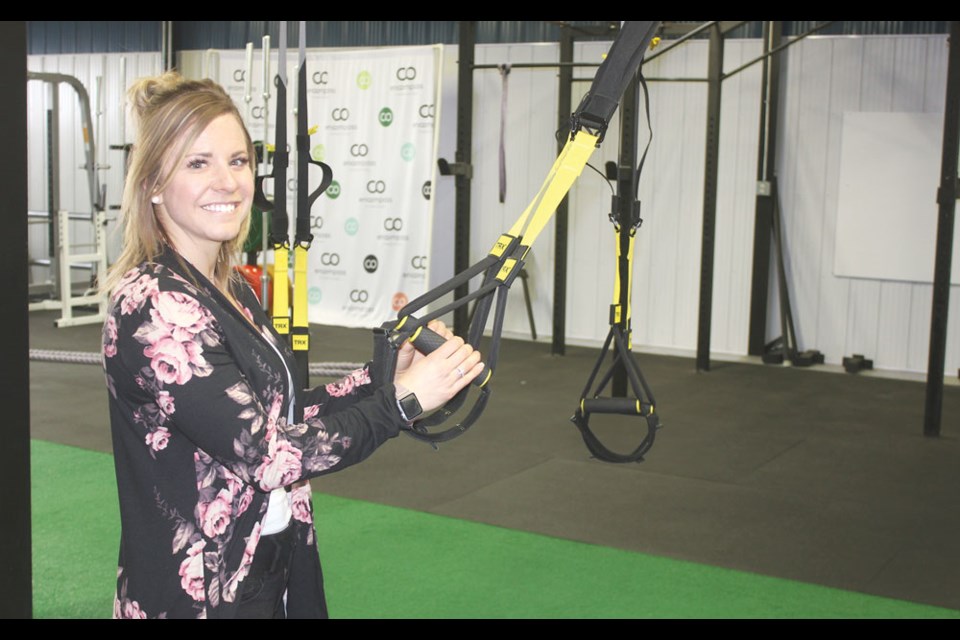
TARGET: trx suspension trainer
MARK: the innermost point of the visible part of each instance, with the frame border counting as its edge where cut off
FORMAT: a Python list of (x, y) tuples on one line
[(298, 333), (503, 263)]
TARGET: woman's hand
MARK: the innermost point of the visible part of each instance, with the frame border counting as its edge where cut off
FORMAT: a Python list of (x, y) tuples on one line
[(438, 376), (409, 354)]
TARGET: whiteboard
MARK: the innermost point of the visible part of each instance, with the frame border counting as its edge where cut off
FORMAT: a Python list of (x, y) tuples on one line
[(887, 206)]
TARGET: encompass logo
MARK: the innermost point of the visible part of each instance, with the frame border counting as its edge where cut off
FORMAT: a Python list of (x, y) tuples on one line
[(408, 151), (329, 259), (405, 79), (329, 263), (358, 156), (426, 116), (318, 152), (393, 230), (385, 117), (375, 192), (426, 190), (340, 117), (419, 266), (370, 263), (364, 80), (320, 83), (333, 191)]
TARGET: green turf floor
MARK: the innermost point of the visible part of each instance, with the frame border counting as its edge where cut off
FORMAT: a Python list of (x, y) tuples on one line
[(386, 562)]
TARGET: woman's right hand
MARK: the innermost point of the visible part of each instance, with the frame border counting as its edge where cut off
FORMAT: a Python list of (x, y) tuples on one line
[(442, 373)]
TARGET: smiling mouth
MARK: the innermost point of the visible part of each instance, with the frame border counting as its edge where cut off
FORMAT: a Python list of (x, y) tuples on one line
[(220, 208)]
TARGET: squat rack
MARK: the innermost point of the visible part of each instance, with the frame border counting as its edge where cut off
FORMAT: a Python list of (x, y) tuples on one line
[(62, 260)]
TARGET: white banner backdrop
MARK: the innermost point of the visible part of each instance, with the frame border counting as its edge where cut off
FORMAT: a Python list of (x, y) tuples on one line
[(372, 117)]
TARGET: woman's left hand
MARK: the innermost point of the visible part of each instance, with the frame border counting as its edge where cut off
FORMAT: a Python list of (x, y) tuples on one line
[(408, 354)]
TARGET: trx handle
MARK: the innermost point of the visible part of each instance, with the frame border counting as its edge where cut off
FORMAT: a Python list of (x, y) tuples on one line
[(623, 406)]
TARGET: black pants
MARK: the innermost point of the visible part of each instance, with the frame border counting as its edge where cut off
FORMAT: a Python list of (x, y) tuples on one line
[(263, 588)]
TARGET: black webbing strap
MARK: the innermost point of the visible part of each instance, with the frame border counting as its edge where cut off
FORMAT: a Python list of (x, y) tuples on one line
[(300, 331)]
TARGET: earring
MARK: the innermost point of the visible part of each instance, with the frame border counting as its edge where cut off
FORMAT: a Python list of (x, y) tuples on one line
[(155, 199)]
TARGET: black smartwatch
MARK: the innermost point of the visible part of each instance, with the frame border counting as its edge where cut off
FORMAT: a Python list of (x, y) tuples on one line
[(408, 404)]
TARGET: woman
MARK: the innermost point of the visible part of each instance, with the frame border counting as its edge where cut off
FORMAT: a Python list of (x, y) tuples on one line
[(212, 443)]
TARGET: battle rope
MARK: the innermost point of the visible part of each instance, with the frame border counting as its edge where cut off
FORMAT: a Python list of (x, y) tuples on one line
[(331, 369)]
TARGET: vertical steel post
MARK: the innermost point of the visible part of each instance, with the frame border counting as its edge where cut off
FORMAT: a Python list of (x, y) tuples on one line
[(464, 152), (558, 345), (714, 82), (947, 199)]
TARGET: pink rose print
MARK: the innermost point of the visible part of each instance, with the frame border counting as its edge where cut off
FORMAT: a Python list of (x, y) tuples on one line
[(245, 501), (165, 402), (136, 292), (191, 572), (280, 468), (215, 515), (110, 337), (180, 315), (345, 385), (300, 499), (311, 412), (157, 440), (231, 590), (176, 362), (131, 609)]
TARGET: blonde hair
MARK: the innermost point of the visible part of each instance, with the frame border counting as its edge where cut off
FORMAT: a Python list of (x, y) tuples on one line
[(171, 112)]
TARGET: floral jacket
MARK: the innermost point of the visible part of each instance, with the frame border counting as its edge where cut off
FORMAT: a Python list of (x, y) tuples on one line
[(198, 414)]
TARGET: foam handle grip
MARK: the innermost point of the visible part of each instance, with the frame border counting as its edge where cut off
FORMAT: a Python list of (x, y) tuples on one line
[(428, 341), (625, 406)]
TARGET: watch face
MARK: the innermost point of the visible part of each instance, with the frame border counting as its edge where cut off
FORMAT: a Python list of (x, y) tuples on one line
[(411, 406)]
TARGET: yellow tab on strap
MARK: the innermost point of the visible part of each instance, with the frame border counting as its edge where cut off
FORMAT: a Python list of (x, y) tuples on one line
[(506, 269), (501, 245)]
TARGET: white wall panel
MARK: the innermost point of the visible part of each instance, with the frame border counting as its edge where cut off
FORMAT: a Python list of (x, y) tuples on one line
[(823, 77), (885, 321)]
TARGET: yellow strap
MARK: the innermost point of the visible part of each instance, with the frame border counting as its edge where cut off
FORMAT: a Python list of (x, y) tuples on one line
[(281, 297), (565, 171), (301, 342), (616, 281)]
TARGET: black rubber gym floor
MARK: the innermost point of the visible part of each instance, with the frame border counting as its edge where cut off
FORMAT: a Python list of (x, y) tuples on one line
[(809, 474)]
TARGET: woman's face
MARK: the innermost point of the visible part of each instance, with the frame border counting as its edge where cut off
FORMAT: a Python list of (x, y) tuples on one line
[(210, 192)]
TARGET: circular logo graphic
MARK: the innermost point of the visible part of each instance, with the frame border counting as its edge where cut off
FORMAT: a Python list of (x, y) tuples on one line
[(317, 152), (351, 226), (313, 295), (426, 189), (370, 263), (407, 151), (333, 191), (399, 301), (364, 80), (385, 116)]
